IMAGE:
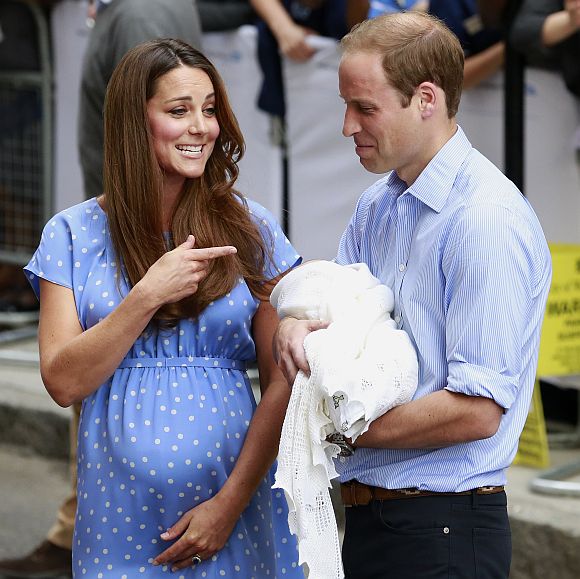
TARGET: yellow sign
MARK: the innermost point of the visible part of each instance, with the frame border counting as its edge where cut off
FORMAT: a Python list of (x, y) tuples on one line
[(560, 342), (533, 446)]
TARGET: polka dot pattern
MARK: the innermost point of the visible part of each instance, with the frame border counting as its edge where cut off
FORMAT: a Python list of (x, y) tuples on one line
[(163, 434)]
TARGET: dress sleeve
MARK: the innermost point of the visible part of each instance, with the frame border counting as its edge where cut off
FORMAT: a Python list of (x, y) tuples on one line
[(281, 254), (53, 259)]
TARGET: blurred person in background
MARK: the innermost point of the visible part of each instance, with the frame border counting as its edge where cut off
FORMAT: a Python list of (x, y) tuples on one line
[(283, 30), (493, 12), (222, 15), (483, 46), (547, 33)]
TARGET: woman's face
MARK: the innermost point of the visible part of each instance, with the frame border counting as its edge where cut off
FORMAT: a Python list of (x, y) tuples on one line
[(183, 123)]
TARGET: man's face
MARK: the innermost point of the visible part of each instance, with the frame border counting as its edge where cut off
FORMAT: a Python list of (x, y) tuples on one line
[(387, 136)]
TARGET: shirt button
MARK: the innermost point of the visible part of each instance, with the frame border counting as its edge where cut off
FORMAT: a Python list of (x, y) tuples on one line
[(397, 319), (402, 267), (446, 530)]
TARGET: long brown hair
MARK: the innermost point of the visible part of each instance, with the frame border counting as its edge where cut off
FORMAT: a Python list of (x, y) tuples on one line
[(415, 47), (209, 206)]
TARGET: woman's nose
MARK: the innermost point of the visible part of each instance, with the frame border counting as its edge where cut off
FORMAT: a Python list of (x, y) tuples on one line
[(198, 126)]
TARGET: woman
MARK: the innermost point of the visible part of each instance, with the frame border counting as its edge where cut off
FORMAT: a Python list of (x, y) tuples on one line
[(153, 298)]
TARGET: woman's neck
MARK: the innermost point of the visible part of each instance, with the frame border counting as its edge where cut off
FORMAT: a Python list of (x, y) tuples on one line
[(171, 192)]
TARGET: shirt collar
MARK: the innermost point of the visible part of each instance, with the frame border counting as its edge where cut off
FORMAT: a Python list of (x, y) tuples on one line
[(434, 184)]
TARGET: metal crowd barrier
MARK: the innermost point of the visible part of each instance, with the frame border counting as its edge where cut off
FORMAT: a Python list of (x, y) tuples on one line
[(25, 146)]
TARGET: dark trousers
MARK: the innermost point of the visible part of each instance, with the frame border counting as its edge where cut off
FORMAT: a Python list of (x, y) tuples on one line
[(446, 537)]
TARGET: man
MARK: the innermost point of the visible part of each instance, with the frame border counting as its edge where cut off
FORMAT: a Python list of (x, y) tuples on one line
[(470, 270), (119, 26)]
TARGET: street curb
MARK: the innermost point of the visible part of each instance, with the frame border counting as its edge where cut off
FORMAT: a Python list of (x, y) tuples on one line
[(543, 552), (45, 433)]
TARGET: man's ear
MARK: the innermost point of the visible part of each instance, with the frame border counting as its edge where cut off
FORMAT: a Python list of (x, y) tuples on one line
[(427, 94)]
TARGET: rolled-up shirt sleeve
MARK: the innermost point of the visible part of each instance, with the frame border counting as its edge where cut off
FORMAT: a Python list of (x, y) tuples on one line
[(491, 285)]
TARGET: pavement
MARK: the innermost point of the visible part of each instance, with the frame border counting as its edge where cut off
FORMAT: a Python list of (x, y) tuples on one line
[(33, 475), (32, 487)]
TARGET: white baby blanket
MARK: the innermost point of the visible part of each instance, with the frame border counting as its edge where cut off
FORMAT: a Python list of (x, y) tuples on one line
[(361, 367)]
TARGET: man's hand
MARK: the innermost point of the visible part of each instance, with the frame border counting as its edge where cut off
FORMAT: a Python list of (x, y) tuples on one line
[(288, 345)]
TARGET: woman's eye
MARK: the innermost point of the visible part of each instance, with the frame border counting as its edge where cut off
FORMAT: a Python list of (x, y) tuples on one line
[(209, 111), (178, 112)]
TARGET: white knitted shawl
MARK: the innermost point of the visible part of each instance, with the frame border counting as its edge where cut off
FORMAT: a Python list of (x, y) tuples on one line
[(361, 366)]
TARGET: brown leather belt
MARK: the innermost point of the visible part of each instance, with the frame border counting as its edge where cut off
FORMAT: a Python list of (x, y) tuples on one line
[(356, 494)]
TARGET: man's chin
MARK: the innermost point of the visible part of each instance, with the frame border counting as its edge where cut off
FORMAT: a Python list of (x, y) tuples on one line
[(371, 166)]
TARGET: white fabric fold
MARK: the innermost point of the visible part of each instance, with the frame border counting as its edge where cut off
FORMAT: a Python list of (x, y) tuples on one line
[(361, 367)]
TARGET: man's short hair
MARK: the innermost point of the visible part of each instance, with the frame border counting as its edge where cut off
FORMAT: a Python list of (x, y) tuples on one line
[(415, 47)]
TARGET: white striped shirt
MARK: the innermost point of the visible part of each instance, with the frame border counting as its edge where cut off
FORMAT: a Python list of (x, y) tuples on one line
[(470, 268)]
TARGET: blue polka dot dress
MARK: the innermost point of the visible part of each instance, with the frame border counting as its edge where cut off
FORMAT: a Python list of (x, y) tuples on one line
[(163, 433)]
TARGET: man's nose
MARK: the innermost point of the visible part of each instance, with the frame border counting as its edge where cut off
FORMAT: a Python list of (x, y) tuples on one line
[(350, 126)]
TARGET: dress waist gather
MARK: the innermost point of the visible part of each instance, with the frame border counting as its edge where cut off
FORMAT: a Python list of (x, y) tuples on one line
[(202, 361)]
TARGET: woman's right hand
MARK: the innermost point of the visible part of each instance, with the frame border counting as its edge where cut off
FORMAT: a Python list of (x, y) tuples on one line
[(177, 274)]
